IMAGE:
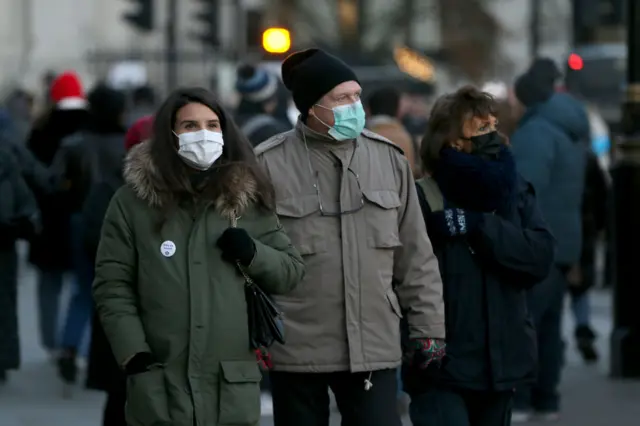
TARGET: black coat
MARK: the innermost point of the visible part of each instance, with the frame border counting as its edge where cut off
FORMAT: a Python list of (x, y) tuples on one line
[(594, 220), (103, 372), (51, 250), (18, 219), (491, 341), (104, 154)]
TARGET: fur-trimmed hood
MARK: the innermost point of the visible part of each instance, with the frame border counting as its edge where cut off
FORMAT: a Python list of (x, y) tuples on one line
[(142, 175)]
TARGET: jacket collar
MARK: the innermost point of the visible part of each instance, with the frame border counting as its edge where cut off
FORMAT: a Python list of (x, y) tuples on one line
[(142, 175), (315, 139)]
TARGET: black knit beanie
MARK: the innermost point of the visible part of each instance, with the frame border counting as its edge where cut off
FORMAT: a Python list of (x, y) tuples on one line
[(538, 83), (310, 74)]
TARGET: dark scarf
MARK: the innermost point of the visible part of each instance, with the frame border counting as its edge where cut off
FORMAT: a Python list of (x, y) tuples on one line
[(474, 183)]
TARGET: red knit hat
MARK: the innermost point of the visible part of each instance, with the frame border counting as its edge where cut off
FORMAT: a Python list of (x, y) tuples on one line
[(138, 132), (67, 92)]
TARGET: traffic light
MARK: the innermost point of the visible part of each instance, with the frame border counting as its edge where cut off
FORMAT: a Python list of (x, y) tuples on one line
[(208, 16), (141, 17), (276, 40), (575, 62)]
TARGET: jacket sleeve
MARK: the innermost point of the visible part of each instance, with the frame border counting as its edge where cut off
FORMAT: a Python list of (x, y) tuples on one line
[(523, 255), (534, 154), (34, 172), (277, 266), (23, 203), (416, 271), (114, 285)]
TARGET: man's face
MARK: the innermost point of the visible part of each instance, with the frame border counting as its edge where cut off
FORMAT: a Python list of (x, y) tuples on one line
[(343, 94)]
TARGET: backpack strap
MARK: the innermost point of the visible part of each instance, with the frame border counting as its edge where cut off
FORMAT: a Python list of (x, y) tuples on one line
[(431, 192)]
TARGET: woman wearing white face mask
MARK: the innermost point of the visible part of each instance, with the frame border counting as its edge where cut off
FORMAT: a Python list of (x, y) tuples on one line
[(167, 287)]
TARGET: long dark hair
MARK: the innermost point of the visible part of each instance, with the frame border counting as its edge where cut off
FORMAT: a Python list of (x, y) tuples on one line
[(174, 175)]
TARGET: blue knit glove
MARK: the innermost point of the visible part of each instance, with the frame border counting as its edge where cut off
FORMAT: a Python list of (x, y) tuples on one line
[(453, 222)]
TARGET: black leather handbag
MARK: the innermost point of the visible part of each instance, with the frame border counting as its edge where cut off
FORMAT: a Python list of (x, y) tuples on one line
[(265, 319), (266, 324)]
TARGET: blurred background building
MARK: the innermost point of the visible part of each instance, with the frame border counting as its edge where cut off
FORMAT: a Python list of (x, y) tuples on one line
[(456, 40)]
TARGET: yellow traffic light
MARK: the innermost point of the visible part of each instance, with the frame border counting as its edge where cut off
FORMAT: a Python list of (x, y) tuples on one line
[(276, 40)]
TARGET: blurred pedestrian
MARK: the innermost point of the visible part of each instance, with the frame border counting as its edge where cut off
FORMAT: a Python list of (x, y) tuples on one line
[(549, 148), (143, 104), (36, 174), (594, 224), (258, 89), (595, 215), (414, 112), (19, 218), (346, 196), (85, 158), (103, 372), (492, 245), (509, 110), (285, 107), (167, 287), (46, 101), (384, 110), (50, 252), (19, 106)]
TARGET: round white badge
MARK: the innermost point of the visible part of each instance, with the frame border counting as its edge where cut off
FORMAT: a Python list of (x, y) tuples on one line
[(168, 248)]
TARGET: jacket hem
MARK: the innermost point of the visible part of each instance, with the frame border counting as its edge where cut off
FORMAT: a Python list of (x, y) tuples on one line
[(474, 386), (334, 368)]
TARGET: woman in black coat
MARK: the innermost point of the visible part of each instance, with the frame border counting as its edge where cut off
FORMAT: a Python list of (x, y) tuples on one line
[(19, 218), (103, 371), (492, 245)]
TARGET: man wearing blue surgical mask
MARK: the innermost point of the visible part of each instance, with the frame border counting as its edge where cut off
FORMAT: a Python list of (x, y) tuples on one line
[(346, 197)]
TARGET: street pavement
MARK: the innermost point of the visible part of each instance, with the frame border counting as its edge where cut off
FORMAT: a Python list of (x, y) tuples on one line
[(34, 396)]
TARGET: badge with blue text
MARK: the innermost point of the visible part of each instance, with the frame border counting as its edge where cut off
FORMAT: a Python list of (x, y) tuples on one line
[(168, 248)]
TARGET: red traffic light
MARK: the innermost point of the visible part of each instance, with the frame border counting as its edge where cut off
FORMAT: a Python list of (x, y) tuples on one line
[(575, 62)]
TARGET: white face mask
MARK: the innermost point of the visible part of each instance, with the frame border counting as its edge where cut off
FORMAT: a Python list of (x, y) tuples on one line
[(200, 149)]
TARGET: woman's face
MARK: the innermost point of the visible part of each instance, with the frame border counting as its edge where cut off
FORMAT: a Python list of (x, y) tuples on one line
[(194, 117), (474, 126)]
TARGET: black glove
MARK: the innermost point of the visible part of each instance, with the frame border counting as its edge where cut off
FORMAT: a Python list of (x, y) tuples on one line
[(8, 234), (141, 363), (15, 229), (25, 228), (237, 245), (453, 222)]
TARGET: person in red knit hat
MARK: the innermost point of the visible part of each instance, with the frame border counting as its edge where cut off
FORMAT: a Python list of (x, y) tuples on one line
[(138, 132), (50, 251), (67, 92)]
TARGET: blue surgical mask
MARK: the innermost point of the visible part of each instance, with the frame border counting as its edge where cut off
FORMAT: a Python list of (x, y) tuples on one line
[(348, 121)]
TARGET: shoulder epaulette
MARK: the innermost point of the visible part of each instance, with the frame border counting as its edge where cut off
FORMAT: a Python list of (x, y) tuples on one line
[(270, 143), (378, 138)]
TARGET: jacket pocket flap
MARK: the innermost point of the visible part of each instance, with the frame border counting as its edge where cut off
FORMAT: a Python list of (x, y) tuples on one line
[(240, 371), (383, 198), (298, 206)]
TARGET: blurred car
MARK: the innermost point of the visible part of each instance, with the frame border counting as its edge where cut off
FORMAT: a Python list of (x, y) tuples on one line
[(597, 74)]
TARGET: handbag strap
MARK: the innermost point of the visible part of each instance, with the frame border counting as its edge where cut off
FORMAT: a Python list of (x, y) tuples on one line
[(234, 224)]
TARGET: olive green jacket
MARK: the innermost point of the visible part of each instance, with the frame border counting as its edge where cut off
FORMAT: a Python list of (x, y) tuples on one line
[(166, 290)]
